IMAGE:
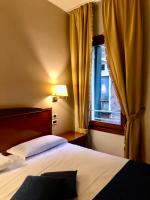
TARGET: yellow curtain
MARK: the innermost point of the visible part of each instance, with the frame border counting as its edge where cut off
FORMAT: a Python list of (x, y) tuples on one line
[(81, 51), (122, 21)]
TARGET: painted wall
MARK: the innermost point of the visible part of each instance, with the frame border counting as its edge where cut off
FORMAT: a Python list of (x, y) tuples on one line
[(97, 20), (146, 76), (107, 142), (34, 53)]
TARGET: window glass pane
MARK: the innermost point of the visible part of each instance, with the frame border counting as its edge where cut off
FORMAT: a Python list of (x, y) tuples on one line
[(104, 103), (104, 88)]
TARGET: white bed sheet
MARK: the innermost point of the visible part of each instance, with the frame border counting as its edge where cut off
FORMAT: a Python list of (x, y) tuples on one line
[(95, 169)]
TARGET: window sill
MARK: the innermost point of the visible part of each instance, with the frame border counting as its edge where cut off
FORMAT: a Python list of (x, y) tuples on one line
[(107, 127)]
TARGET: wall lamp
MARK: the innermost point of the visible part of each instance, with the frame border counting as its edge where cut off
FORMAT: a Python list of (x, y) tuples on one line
[(59, 91)]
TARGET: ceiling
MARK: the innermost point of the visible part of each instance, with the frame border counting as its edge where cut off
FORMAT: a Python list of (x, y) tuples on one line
[(68, 5)]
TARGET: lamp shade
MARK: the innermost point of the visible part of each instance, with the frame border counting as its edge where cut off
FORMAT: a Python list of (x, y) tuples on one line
[(60, 90)]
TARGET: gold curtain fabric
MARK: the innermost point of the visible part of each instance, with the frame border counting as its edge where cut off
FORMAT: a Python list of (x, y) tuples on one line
[(81, 22), (122, 21)]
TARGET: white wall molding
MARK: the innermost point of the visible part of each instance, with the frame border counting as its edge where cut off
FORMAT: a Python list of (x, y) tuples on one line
[(68, 6)]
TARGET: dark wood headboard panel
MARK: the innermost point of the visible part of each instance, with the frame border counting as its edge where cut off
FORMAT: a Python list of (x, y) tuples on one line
[(21, 124)]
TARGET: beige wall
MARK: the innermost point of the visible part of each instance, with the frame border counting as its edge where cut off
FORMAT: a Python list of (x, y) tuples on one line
[(146, 76), (97, 17), (107, 142), (34, 53)]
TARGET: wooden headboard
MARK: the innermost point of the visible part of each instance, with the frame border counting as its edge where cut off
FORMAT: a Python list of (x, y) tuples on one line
[(21, 124)]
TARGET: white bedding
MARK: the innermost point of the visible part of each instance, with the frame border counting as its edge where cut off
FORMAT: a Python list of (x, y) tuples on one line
[(95, 169)]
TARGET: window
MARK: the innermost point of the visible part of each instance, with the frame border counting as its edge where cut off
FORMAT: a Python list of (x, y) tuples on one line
[(105, 108)]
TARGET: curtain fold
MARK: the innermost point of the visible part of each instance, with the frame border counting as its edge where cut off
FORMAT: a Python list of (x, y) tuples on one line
[(122, 22), (81, 23)]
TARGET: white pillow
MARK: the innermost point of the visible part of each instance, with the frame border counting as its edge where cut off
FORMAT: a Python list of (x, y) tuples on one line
[(4, 162), (36, 146)]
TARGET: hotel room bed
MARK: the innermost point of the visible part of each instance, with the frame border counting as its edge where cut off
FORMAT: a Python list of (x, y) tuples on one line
[(97, 173), (94, 170)]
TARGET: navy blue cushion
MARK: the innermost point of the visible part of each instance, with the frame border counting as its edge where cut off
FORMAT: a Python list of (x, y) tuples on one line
[(132, 182), (69, 184), (39, 188)]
